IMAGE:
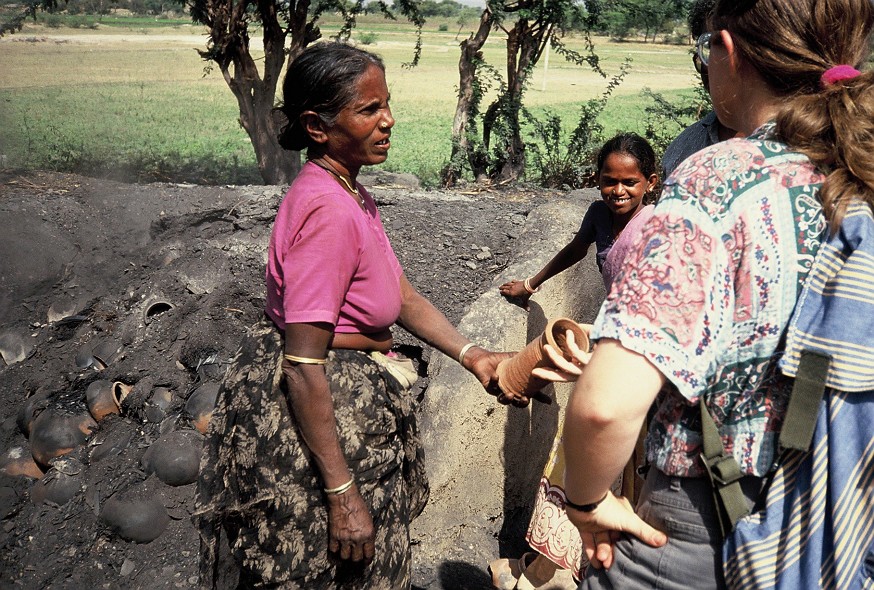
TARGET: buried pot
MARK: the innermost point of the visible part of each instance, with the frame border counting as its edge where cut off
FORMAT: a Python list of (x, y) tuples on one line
[(201, 405), (19, 461), (104, 397), (56, 432), (175, 457), (158, 403), (60, 484), (136, 519)]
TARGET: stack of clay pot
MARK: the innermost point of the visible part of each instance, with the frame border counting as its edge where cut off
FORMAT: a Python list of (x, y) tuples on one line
[(515, 376)]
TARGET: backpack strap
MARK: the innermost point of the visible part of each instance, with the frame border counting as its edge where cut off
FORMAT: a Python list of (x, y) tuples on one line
[(807, 392), (797, 432), (724, 472)]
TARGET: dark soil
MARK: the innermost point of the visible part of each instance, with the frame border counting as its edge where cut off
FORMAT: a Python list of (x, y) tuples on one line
[(153, 287)]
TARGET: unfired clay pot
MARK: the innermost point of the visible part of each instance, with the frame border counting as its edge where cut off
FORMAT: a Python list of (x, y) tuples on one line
[(104, 397), (56, 433), (514, 373)]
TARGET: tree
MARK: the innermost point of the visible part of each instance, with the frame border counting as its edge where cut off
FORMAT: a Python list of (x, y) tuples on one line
[(286, 28), (650, 17), (529, 25)]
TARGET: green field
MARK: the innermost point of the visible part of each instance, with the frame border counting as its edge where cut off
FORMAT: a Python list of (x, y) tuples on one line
[(134, 102)]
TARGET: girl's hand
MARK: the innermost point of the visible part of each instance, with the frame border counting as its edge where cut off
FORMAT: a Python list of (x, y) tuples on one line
[(564, 370), (350, 527), (516, 293)]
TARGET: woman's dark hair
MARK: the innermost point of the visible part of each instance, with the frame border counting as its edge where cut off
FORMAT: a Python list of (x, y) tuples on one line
[(698, 15), (791, 43), (630, 144), (321, 79)]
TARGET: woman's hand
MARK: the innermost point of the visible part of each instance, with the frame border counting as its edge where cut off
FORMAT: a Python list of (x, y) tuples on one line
[(600, 529), (483, 364), (516, 293), (350, 528), (564, 370)]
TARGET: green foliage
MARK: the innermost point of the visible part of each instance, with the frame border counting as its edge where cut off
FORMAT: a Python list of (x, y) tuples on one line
[(665, 118), (570, 162), (623, 19), (367, 37), (443, 27)]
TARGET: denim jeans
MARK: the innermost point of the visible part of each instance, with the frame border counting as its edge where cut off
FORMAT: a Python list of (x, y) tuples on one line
[(683, 508)]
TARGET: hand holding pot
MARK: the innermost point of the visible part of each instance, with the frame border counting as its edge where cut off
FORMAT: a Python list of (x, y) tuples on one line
[(565, 370)]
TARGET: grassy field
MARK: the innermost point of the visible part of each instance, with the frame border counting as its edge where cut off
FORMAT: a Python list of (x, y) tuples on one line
[(133, 101)]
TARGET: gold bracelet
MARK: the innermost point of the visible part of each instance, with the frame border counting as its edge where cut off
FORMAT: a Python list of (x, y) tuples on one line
[(463, 352), (341, 489), (527, 284), (303, 360)]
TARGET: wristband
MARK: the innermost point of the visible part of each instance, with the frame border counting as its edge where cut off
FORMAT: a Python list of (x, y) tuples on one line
[(584, 507), (303, 360), (463, 352), (340, 489)]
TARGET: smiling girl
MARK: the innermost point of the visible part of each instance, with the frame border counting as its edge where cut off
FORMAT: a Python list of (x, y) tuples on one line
[(626, 178)]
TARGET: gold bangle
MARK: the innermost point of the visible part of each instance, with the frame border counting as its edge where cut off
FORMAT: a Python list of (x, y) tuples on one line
[(527, 284), (302, 360), (341, 489), (463, 352)]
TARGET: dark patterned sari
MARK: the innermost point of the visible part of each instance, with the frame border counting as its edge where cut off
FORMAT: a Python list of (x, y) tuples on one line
[(260, 508)]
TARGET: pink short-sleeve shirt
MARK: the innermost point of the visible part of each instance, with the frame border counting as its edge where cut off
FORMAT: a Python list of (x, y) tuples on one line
[(329, 260)]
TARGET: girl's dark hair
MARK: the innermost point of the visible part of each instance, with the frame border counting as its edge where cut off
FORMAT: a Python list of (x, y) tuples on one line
[(630, 144), (698, 15), (321, 79), (791, 43)]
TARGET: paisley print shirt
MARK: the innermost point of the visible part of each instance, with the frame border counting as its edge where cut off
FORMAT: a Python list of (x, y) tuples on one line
[(707, 291)]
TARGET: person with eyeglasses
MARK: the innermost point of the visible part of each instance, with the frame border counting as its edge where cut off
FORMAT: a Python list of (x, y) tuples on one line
[(709, 129), (697, 315)]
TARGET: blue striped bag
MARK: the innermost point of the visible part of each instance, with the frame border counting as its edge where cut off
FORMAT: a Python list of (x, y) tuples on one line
[(816, 527)]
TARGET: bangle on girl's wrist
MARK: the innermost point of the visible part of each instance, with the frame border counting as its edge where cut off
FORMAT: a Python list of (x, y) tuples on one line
[(463, 352), (584, 507)]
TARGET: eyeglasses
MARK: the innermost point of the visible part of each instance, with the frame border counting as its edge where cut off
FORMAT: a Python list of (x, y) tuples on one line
[(702, 49), (696, 61)]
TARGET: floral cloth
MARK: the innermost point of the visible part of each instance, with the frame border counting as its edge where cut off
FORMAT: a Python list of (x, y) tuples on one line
[(260, 508), (707, 292)]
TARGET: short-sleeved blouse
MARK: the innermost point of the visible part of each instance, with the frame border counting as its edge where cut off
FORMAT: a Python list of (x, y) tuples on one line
[(329, 260), (707, 292), (597, 228)]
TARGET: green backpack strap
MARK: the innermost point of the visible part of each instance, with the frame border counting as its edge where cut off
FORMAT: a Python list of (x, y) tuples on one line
[(796, 434), (807, 392), (724, 472)]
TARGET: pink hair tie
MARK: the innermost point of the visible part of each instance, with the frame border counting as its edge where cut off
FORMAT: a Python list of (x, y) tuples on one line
[(838, 73)]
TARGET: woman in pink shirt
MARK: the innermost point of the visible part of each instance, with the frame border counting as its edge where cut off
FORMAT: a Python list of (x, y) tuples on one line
[(313, 467)]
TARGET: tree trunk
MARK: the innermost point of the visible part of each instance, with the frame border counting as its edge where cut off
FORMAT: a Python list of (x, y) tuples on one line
[(468, 101)]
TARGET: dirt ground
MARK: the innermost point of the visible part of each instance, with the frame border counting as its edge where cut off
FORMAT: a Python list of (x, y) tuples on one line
[(146, 291)]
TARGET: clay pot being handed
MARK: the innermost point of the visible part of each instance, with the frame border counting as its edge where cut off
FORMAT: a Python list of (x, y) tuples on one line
[(514, 373)]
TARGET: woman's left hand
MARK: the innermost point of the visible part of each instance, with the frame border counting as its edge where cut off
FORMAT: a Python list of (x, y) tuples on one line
[(600, 529), (563, 370)]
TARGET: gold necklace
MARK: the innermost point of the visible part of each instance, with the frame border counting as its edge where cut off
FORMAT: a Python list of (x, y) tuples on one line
[(347, 183)]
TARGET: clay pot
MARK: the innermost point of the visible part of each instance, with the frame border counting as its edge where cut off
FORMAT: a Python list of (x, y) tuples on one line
[(514, 373), (61, 482), (19, 461), (140, 520), (175, 457), (28, 412), (154, 307), (158, 404), (104, 397), (201, 404), (55, 433)]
